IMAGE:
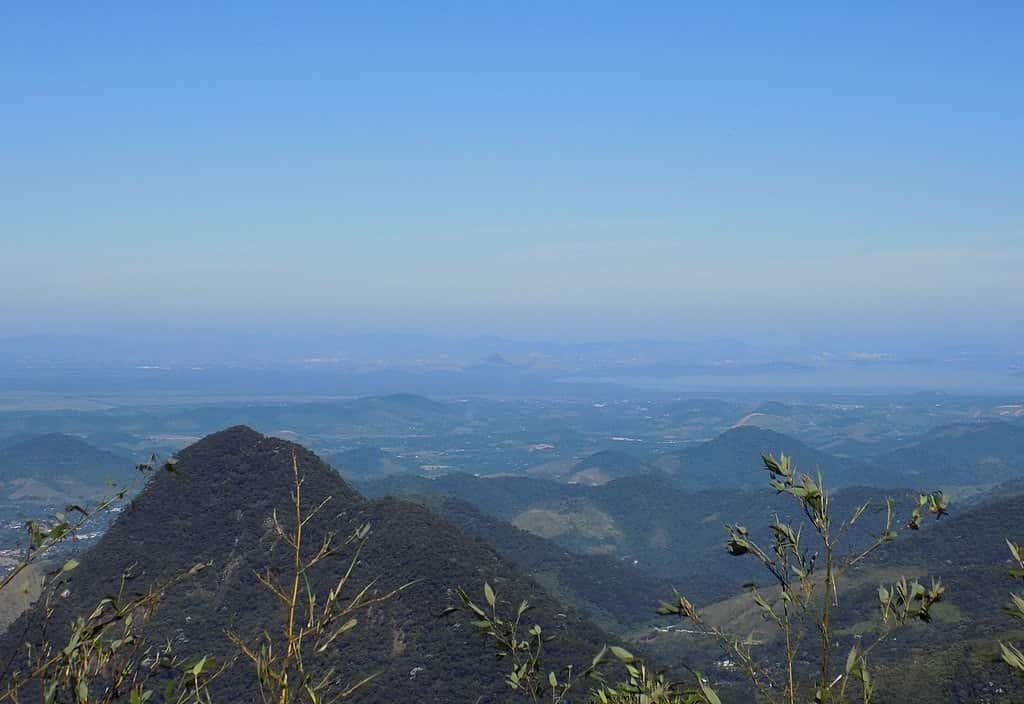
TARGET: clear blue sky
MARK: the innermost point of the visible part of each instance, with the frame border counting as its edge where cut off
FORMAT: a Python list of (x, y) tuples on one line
[(552, 168)]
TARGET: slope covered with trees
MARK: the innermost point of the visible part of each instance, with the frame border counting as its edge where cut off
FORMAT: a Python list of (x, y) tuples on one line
[(733, 458), (646, 521), (614, 593), (55, 466), (982, 453), (217, 507), (368, 462)]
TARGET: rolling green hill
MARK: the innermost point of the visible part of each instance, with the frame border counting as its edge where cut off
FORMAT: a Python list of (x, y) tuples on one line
[(597, 468), (982, 453), (672, 534), (368, 462), (954, 659), (56, 466), (733, 460), (612, 592), (602, 467)]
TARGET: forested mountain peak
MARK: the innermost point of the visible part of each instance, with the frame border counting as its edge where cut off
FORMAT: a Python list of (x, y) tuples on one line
[(216, 506)]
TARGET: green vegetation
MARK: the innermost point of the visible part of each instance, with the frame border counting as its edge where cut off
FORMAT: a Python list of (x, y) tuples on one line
[(523, 649), (735, 454), (21, 592), (217, 508), (668, 532), (1011, 653), (802, 601), (226, 580), (364, 462), (602, 467), (983, 453), (103, 656), (287, 668), (59, 467), (806, 592), (615, 595)]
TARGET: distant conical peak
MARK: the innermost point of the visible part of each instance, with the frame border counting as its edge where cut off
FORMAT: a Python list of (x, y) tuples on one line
[(241, 461)]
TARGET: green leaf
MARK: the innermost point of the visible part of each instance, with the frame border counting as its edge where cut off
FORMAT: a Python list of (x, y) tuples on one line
[(1012, 656), (197, 667), (621, 653), (705, 689), (851, 659), (859, 512)]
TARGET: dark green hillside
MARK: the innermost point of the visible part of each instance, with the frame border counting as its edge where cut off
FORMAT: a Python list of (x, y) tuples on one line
[(610, 591), (862, 450), (594, 469), (58, 465), (602, 467), (974, 536), (503, 497), (679, 535), (733, 459), (984, 453), (955, 659), (672, 534), (216, 508)]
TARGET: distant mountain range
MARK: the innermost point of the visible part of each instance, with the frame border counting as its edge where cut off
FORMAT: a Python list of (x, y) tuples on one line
[(949, 456), (380, 413), (982, 453)]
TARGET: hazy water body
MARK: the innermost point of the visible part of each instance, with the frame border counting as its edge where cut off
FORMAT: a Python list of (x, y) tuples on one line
[(857, 379)]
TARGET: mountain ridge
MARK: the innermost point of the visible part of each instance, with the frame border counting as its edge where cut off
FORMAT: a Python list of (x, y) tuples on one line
[(61, 465), (216, 506)]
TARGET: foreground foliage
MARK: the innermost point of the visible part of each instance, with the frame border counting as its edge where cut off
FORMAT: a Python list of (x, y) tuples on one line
[(103, 655), (1011, 654), (284, 666), (522, 647), (805, 563), (106, 656)]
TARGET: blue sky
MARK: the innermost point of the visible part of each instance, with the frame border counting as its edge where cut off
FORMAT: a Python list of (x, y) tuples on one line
[(549, 169)]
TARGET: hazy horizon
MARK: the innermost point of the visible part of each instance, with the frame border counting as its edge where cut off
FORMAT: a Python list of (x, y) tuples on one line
[(546, 172)]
